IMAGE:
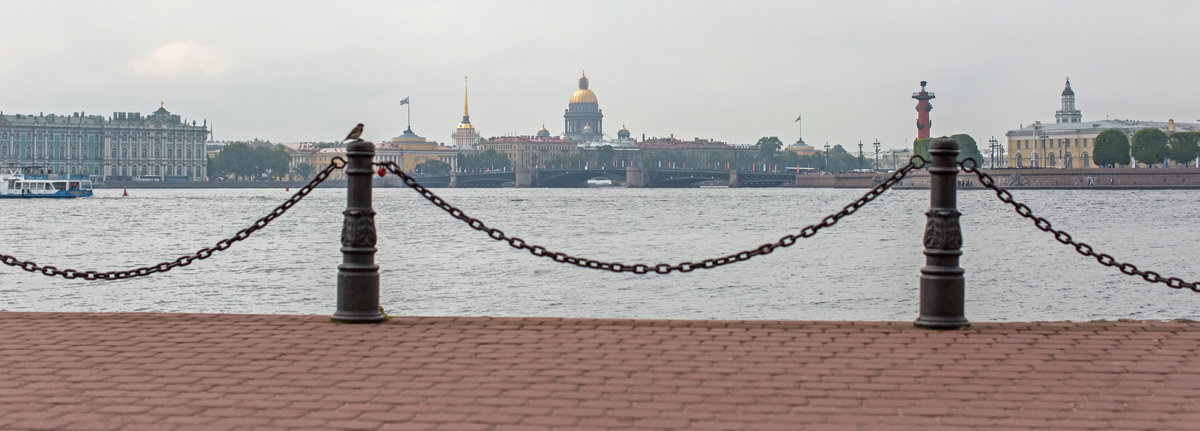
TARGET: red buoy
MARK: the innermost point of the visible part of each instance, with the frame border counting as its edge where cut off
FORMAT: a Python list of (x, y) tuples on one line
[(124, 192)]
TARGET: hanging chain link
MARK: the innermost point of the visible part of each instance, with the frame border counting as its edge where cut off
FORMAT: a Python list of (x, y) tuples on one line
[(204, 253), (1065, 238), (662, 268)]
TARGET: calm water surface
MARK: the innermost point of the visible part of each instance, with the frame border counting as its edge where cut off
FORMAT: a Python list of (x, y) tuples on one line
[(864, 268)]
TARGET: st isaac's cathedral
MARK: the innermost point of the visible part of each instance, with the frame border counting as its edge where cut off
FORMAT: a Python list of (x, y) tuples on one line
[(584, 120)]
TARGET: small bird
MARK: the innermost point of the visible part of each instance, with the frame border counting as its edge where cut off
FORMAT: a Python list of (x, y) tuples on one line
[(355, 134)]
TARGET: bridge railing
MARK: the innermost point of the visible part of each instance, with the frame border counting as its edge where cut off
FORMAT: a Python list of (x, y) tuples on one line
[(358, 291)]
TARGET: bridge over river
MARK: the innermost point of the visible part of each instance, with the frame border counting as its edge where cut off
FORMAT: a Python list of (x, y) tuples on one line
[(630, 177)]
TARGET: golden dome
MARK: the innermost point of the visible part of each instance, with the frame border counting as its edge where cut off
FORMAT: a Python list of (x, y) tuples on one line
[(587, 127), (583, 95), (465, 126)]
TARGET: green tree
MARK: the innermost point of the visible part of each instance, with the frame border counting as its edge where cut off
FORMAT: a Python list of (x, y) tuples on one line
[(604, 155), (490, 159), (1184, 146), (921, 147), (967, 148), (768, 147), (270, 162), (236, 159), (789, 158), (841, 160), (433, 167), (1150, 146), (304, 170), (1111, 148)]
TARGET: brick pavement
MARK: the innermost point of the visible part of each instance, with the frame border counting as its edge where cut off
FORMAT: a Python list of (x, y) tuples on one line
[(78, 371)]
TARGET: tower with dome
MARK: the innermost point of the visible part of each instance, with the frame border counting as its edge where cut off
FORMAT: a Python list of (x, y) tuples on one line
[(465, 136), (583, 119)]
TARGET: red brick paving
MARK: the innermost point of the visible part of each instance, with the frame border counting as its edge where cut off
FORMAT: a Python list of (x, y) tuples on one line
[(76, 371)]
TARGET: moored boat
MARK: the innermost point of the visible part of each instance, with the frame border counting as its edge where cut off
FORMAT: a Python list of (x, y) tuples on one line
[(20, 185)]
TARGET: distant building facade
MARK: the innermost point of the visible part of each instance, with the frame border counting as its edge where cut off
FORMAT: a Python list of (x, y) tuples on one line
[(531, 151), (1070, 142), (126, 145)]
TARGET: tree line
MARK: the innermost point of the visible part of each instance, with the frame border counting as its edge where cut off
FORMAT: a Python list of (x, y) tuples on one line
[(1150, 146), (242, 162)]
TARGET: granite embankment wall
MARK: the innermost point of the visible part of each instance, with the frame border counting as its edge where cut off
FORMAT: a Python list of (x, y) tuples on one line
[(1147, 178), (377, 182)]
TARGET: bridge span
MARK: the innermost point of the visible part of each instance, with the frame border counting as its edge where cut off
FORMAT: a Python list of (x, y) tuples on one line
[(629, 177)]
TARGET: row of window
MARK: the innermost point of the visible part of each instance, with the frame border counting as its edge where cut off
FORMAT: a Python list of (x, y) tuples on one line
[(56, 137), (124, 151), (81, 151), (76, 169), (1051, 161), (157, 170), (50, 151), (1053, 143), (60, 137)]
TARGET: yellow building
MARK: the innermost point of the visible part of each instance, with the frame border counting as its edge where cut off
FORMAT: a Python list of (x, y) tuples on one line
[(407, 150), (532, 151), (1070, 142)]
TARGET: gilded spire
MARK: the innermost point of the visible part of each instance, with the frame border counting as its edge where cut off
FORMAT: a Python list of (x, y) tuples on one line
[(466, 116)]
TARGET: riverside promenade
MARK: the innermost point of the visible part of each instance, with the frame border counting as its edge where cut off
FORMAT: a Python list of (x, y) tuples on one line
[(109, 371)]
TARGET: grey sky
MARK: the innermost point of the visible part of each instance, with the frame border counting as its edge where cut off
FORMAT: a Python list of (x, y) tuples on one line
[(732, 71)]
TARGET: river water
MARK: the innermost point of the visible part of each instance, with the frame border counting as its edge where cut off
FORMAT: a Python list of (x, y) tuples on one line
[(864, 268)]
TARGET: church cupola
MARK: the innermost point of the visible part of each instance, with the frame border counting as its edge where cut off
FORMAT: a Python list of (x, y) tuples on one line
[(623, 133), (543, 133), (1068, 113)]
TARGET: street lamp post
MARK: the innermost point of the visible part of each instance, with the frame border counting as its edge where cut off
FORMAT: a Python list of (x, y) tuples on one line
[(1037, 131), (1042, 138), (826, 157), (860, 155), (995, 146), (876, 167)]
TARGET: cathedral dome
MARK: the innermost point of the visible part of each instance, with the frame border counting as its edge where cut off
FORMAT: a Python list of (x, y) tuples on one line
[(583, 95)]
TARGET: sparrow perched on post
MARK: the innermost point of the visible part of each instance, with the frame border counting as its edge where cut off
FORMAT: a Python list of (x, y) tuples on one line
[(355, 134)]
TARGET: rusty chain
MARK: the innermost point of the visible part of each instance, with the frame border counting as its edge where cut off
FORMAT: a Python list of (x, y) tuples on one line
[(662, 268), (1065, 238), (204, 253)]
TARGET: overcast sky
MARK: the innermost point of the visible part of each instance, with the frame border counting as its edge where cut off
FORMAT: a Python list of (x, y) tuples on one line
[(726, 70)]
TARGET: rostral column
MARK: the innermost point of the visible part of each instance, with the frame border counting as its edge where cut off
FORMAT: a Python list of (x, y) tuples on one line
[(923, 108)]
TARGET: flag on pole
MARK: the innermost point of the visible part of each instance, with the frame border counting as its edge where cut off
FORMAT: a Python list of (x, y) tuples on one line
[(797, 118), (404, 102)]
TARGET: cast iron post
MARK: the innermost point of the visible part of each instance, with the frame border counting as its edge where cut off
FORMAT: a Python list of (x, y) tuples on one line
[(941, 278), (358, 275)]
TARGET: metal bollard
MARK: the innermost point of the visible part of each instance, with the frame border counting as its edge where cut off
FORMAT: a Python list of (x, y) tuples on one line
[(358, 275), (942, 281)]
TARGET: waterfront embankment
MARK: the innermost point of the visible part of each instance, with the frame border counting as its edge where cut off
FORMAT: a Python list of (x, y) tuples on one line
[(218, 371), (1111, 178)]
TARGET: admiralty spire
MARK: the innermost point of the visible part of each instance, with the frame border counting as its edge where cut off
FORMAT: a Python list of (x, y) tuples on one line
[(465, 136)]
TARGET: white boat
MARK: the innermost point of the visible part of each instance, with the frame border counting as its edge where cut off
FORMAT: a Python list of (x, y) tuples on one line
[(18, 185), (600, 182)]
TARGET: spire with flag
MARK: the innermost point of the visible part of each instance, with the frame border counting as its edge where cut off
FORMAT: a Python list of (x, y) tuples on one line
[(405, 102)]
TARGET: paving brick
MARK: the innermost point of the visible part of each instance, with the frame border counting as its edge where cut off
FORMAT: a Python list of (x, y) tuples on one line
[(188, 371)]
